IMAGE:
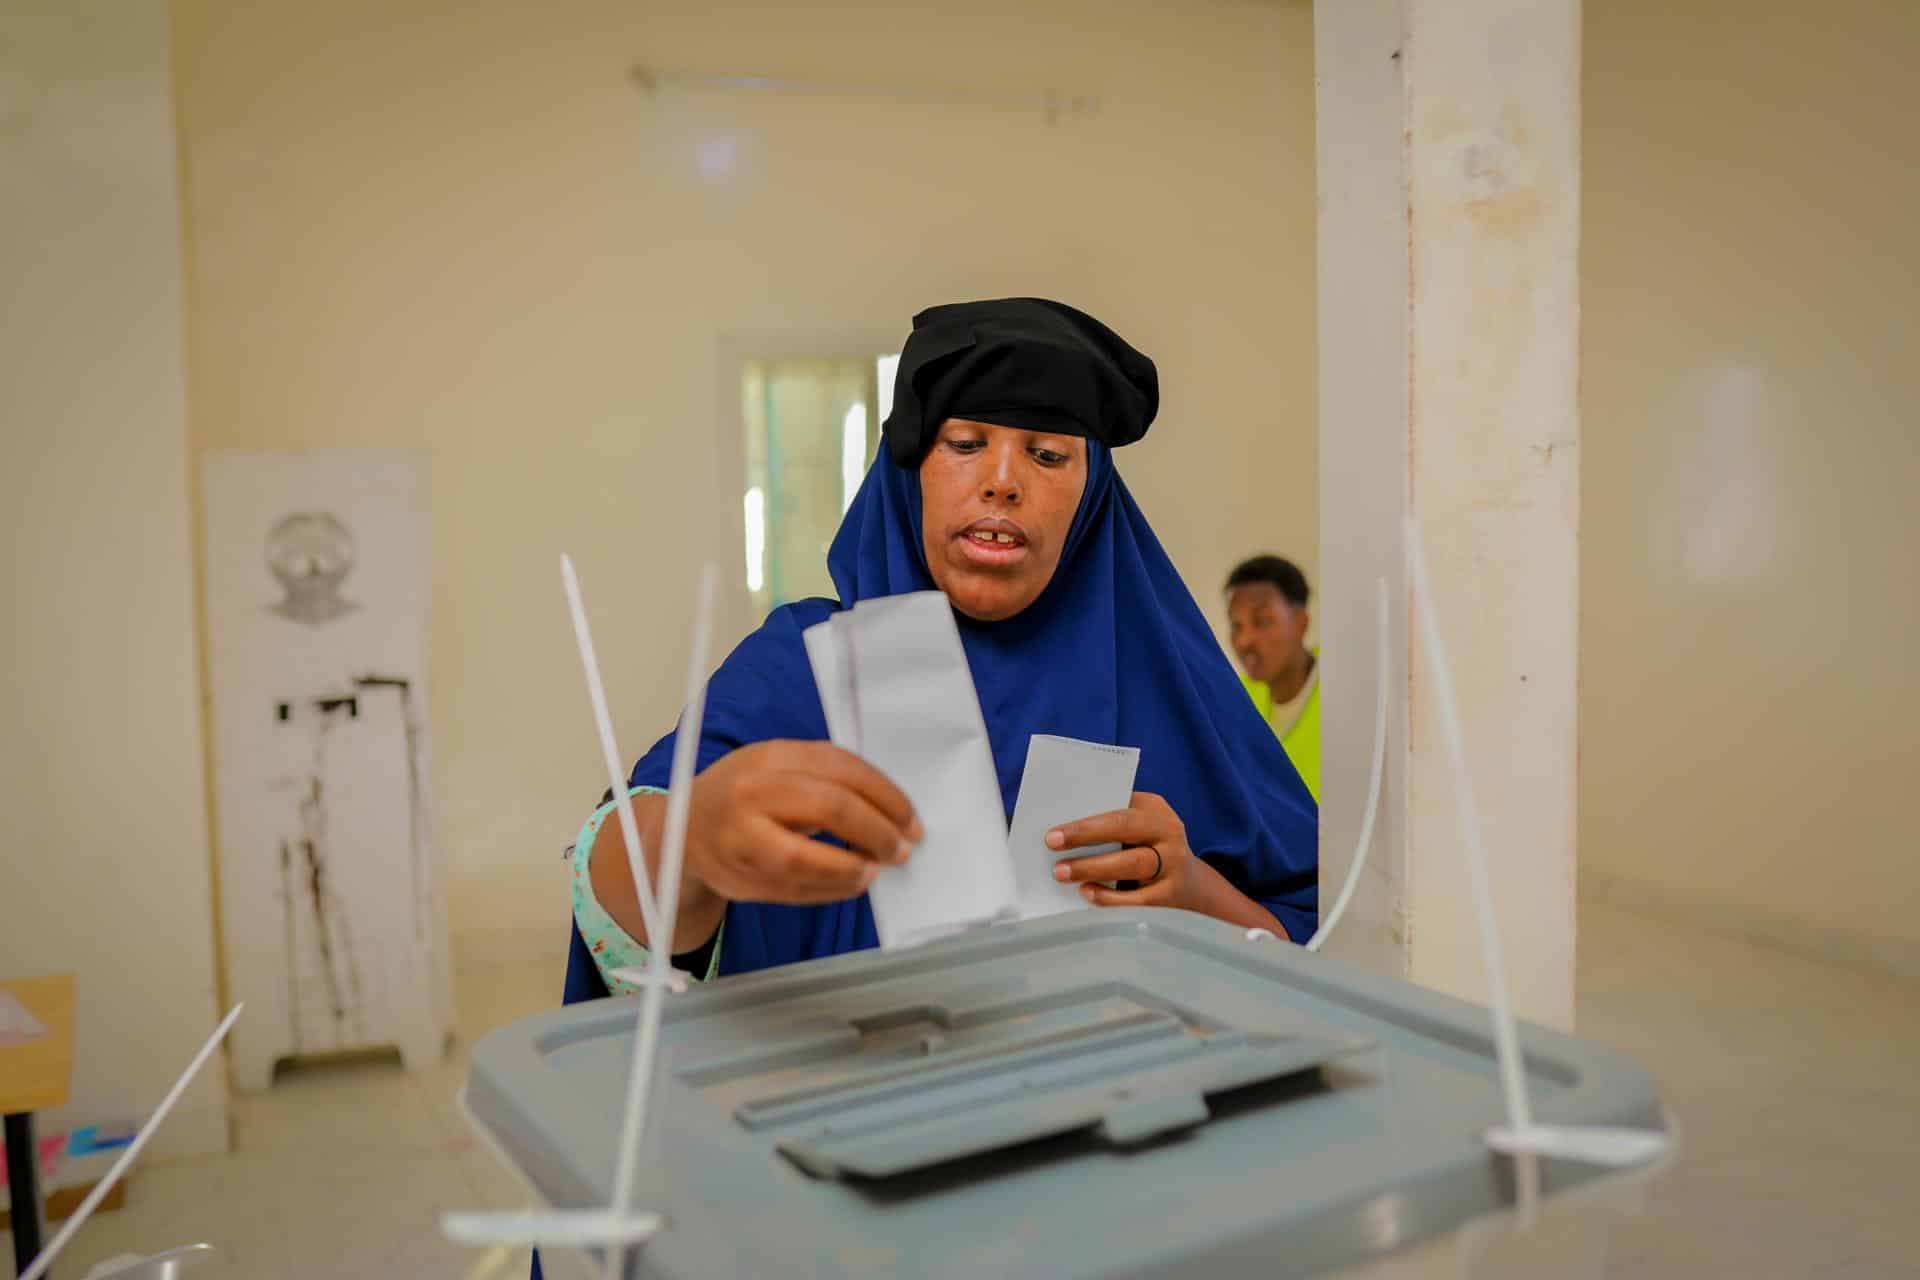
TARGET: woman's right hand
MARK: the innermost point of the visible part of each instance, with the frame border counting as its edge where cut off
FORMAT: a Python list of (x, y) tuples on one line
[(755, 810)]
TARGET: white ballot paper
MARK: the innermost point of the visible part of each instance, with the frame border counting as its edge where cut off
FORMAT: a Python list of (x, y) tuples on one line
[(1064, 780), (895, 686)]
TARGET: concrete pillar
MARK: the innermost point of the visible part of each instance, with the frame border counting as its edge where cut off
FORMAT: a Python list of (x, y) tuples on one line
[(1449, 175)]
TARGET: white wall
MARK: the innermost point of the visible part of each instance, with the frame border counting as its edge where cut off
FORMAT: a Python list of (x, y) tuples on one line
[(466, 230), (104, 870), (1751, 375)]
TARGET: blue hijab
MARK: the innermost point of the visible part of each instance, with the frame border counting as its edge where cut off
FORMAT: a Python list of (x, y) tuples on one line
[(1114, 650)]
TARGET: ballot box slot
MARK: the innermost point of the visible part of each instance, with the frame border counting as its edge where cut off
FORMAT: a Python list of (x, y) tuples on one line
[(807, 1052), (958, 1067), (1128, 1094)]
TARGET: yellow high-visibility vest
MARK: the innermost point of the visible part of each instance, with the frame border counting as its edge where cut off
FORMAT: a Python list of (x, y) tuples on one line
[(1302, 740)]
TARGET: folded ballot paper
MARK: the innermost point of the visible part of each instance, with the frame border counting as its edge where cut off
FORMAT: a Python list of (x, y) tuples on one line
[(1064, 780), (896, 690)]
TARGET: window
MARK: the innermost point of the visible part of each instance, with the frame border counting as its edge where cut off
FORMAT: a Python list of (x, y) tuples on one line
[(811, 427)]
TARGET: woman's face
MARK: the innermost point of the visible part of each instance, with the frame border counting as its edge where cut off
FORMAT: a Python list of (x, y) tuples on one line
[(996, 505)]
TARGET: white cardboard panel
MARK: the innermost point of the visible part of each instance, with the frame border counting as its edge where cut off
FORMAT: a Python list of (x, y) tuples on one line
[(317, 589)]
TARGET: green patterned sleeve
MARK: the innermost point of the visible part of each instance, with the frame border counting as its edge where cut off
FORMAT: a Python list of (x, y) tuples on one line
[(611, 946)]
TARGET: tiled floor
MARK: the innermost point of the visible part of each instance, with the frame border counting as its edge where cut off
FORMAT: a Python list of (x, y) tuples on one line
[(1797, 1090), (1797, 1087), (340, 1170)]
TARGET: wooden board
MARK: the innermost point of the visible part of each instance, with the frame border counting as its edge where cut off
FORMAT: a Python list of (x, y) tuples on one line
[(39, 1074), (62, 1203)]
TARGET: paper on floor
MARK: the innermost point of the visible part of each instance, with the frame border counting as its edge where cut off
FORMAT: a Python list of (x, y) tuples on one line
[(895, 686), (1064, 780), (17, 1023)]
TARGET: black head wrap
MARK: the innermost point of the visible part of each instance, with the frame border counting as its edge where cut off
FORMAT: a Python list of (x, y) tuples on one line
[(1018, 362)]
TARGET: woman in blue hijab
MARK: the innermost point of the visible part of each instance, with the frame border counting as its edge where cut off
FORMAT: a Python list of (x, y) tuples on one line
[(996, 486)]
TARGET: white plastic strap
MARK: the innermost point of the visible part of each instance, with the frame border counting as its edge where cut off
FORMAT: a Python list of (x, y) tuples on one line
[(619, 1227), (1520, 1136), (675, 980), (38, 1267), (555, 1228), (686, 751), (1375, 777), (1506, 1040), (610, 754), (1608, 1147)]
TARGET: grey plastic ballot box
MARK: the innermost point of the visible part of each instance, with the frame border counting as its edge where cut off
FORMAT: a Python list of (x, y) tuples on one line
[(1095, 1094)]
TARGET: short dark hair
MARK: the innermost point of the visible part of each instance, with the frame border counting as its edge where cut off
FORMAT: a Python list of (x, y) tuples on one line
[(1277, 571)]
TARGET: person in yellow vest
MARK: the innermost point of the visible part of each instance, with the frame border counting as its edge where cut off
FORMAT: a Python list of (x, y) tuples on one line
[(1267, 608)]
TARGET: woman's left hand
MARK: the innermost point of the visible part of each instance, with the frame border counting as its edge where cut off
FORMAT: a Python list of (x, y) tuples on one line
[(1155, 853)]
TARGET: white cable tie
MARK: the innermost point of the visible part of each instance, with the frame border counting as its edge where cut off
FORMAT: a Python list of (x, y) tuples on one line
[(38, 1267), (552, 1228), (674, 980), (1506, 1039), (1376, 777), (686, 754), (610, 754), (1606, 1146), (168, 1263)]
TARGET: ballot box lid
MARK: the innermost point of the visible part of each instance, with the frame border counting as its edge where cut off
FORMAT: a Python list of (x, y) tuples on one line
[(1122, 1092)]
